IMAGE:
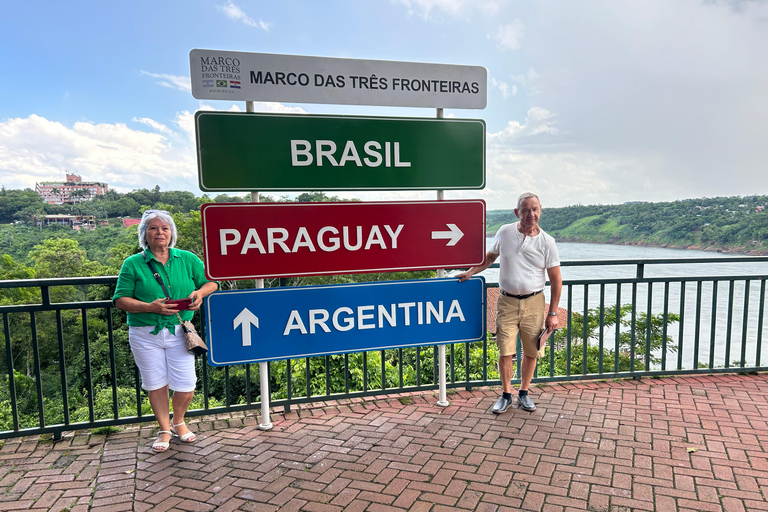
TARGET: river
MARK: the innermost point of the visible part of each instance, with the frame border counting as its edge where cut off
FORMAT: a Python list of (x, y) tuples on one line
[(713, 338)]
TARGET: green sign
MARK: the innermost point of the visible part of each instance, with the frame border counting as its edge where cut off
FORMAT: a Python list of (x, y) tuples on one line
[(283, 152)]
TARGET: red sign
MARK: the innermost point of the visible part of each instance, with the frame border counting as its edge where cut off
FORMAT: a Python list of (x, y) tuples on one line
[(256, 240)]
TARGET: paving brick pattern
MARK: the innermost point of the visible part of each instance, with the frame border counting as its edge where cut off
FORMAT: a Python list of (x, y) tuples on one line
[(694, 443)]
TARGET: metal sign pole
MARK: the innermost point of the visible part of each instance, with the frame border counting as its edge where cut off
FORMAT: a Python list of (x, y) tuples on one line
[(442, 400), (266, 424)]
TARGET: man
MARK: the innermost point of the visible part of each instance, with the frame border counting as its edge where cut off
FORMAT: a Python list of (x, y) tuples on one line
[(528, 256)]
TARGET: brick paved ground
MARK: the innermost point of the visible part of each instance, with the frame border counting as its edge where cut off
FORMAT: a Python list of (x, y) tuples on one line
[(686, 443)]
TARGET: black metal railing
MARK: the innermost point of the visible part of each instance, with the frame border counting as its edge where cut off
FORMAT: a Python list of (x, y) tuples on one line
[(66, 364)]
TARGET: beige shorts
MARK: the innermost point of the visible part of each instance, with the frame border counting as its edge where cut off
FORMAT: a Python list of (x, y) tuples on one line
[(520, 315)]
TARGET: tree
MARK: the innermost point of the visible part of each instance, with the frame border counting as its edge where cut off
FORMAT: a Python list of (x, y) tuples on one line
[(189, 229), (224, 198), (624, 347), (13, 201), (180, 201), (10, 270), (79, 194), (30, 215), (62, 257), (315, 197)]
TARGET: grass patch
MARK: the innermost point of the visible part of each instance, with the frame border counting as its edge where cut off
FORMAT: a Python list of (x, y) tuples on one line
[(103, 431)]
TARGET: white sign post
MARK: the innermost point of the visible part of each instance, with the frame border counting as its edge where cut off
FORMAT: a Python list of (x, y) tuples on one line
[(240, 76)]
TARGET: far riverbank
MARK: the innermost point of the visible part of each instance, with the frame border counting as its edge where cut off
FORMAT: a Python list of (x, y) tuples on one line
[(745, 251), (711, 248)]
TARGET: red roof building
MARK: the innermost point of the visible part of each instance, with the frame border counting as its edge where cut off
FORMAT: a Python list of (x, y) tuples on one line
[(72, 191)]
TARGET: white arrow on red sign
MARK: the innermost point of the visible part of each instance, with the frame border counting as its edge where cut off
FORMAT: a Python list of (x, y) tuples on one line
[(453, 235), (256, 240)]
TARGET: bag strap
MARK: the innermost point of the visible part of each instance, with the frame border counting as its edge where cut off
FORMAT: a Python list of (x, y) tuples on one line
[(165, 291), (158, 278), (181, 323)]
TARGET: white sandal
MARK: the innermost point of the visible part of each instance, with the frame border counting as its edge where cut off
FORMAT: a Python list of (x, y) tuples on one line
[(189, 437), (161, 446)]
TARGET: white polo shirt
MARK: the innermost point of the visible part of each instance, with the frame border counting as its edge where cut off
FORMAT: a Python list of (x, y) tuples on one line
[(523, 260)]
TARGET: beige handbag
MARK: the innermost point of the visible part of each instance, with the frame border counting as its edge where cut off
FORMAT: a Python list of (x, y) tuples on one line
[(195, 344)]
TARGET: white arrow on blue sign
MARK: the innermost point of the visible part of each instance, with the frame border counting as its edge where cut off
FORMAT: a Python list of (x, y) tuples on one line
[(249, 326), (244, 320)]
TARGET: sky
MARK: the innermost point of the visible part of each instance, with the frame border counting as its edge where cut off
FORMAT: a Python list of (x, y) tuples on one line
[(589, 102)]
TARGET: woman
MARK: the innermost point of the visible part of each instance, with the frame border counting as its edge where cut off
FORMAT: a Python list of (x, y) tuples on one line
[(154, 332)]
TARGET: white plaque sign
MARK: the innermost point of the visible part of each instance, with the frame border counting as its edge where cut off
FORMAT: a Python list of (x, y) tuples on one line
[(240, 76)]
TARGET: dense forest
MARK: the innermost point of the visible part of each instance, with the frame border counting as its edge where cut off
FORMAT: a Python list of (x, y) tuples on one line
[(21, 235), (727, 224)]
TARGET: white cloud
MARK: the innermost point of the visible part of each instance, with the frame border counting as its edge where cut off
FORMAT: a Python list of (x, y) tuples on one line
[(509, 36), (182, 83), (186, 120), (539, 120), (455, 8), (35, 149), (504, 88), (234, 12), (686, 108), (526, 79), (160, 127), (276, 108), (530, 81), (570, 176)]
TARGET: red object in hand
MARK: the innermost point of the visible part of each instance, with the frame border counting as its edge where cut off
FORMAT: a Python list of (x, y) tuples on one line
[(181, 304)]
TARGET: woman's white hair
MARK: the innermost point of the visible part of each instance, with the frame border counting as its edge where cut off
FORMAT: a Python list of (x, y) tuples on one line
[(526, 195), (144, 224)]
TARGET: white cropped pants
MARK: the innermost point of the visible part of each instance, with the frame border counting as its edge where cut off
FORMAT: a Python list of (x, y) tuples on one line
[(162, 359)]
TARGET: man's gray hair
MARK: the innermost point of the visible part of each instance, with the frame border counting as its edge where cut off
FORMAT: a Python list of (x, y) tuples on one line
[(526, 195), (144, 224)]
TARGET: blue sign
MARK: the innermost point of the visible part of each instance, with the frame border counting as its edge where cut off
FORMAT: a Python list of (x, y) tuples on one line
[(250, 326)]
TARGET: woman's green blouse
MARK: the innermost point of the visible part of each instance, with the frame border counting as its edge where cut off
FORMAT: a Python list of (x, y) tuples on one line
[(183, 274)]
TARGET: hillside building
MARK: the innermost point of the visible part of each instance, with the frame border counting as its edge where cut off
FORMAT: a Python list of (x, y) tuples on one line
[(72, 191), (77, 222)]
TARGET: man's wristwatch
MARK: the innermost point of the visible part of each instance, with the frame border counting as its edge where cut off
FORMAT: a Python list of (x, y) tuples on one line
[(552, 313)]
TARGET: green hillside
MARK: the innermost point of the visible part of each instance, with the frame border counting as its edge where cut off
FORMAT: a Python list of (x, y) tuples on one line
[(728, 224), (732, 224)]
